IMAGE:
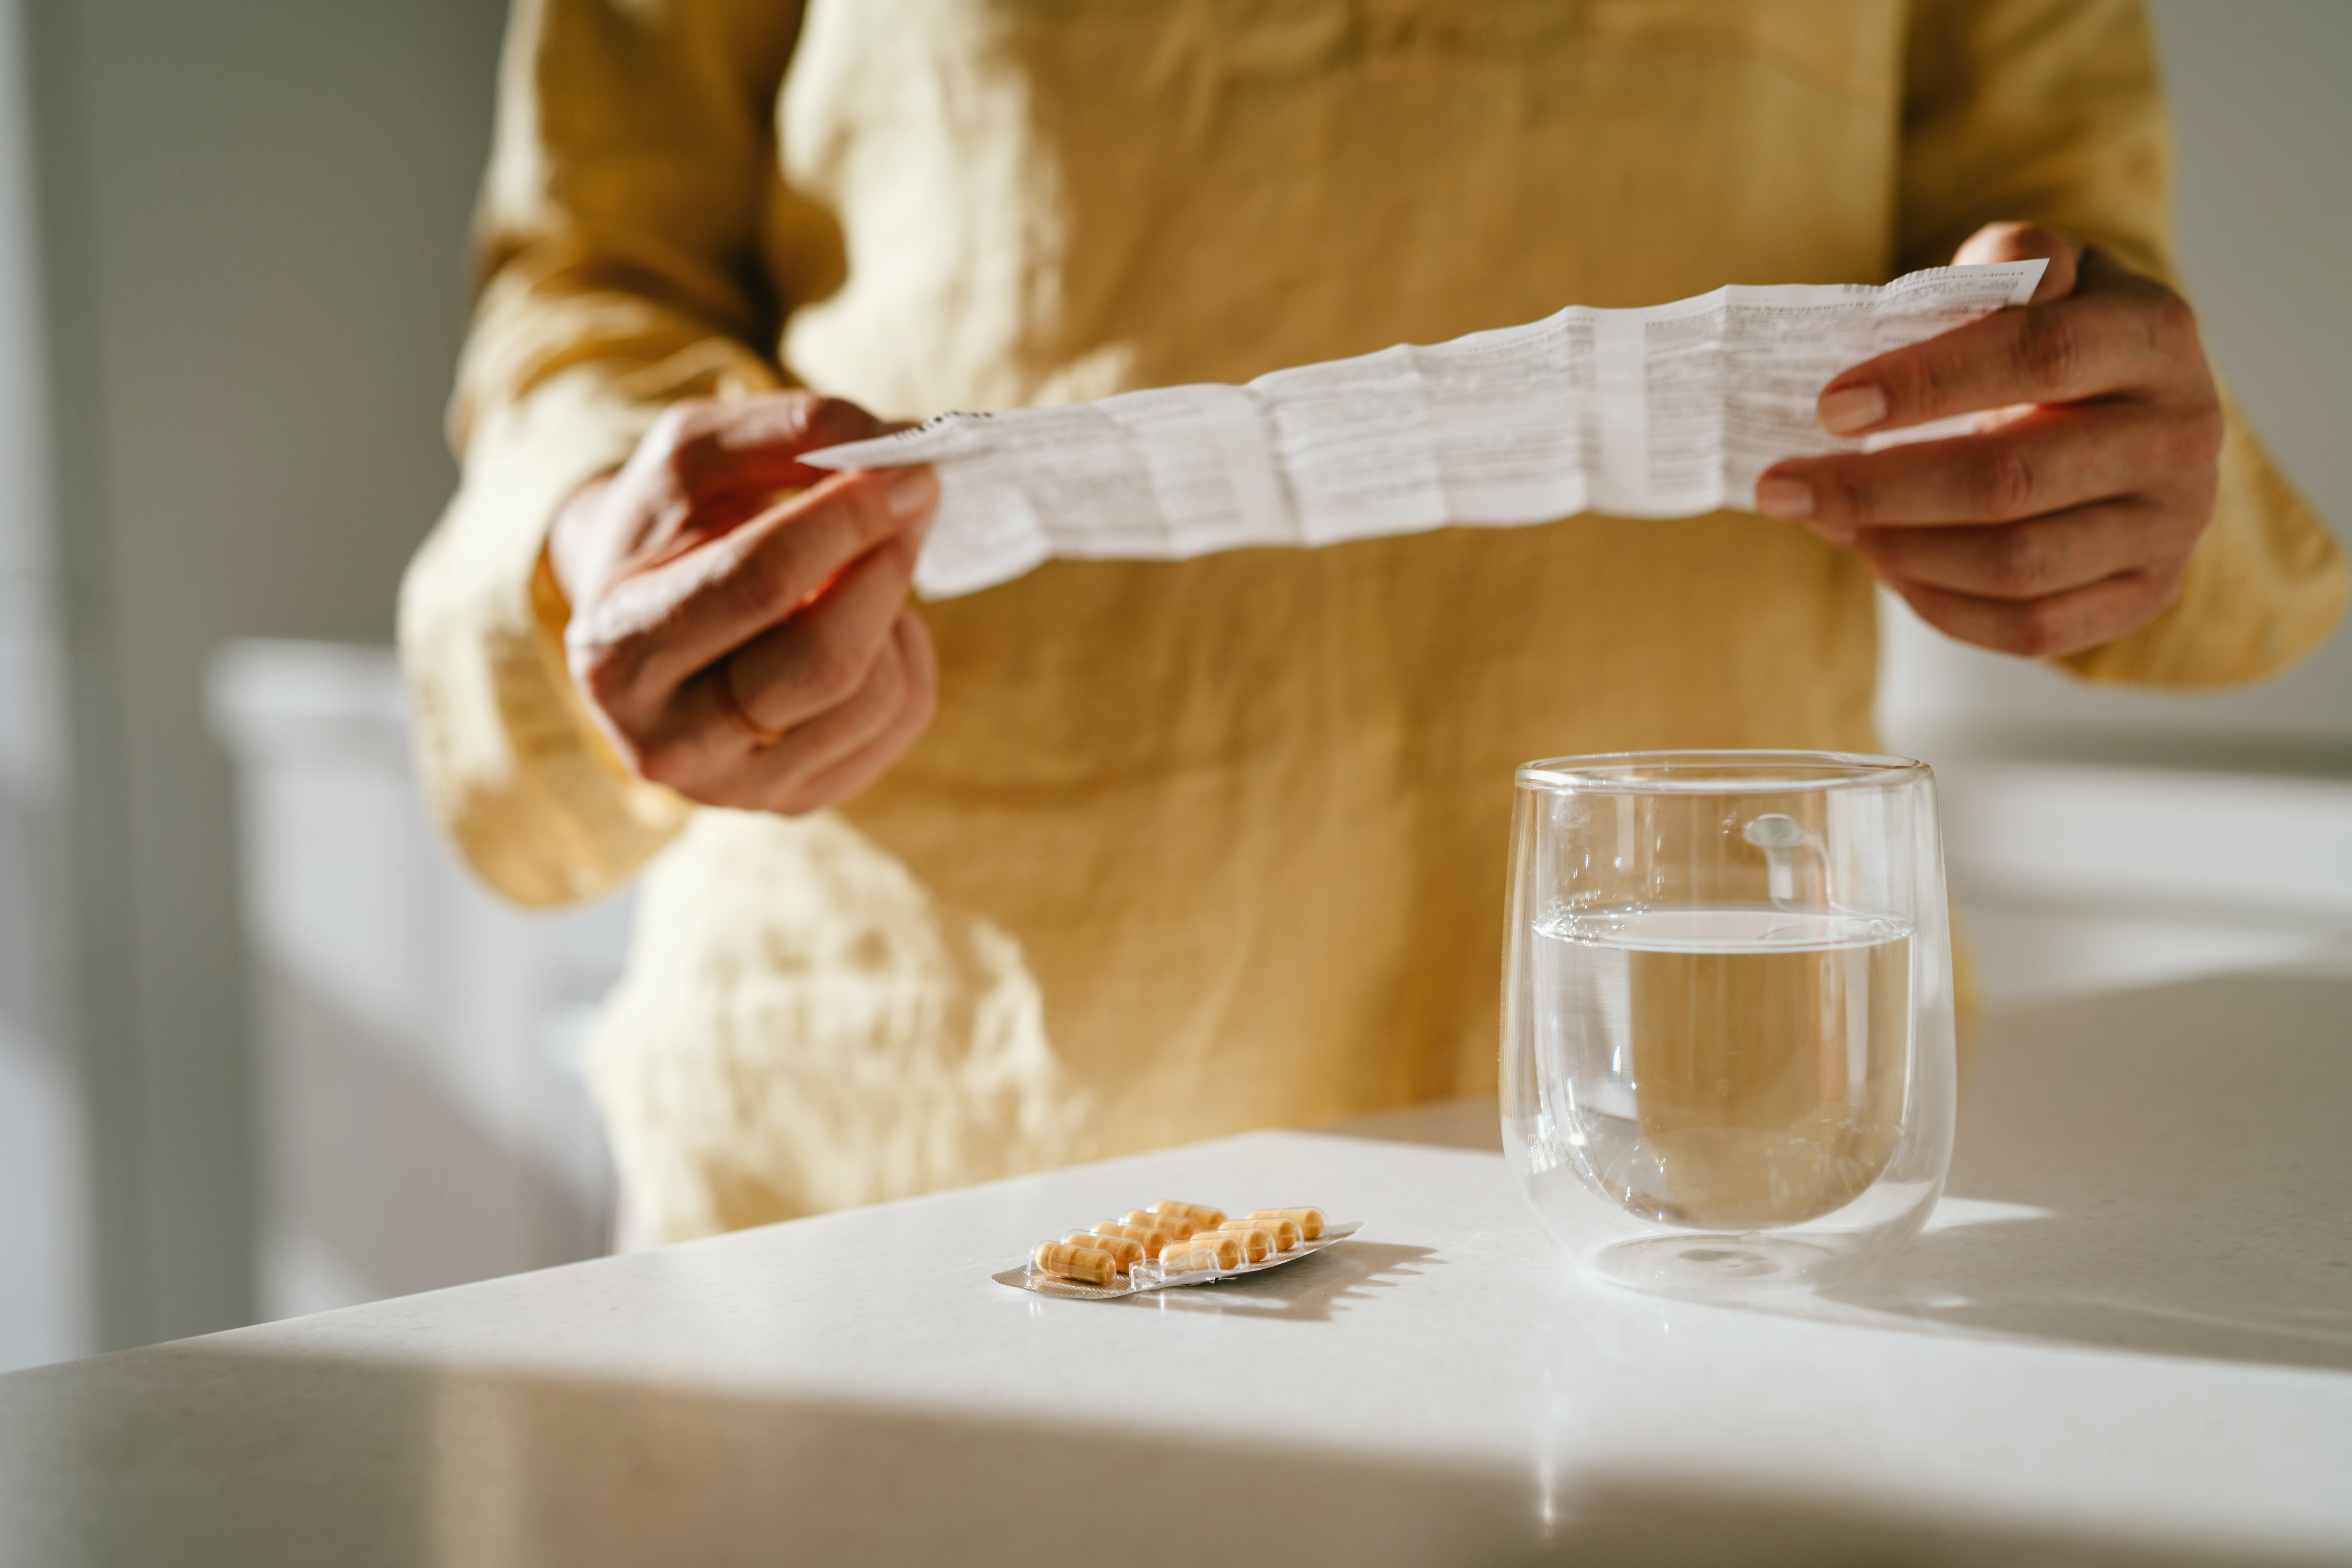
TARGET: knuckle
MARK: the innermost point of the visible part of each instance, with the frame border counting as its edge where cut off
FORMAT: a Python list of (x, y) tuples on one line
[(2038, 630), (1935, 609), (1841, 490), (693, 445), (602, 682), (692, 460), (825, 416), (898, 557), (1923, 383), (604, 672), (827, 673), (679, 421), (763, 581), (888, 685), (2204, 432), (753, 581), (2018, 564), (663, 762), (861, 508), (2000, 481), (2049, 349), (2176, 325), (663, 433)]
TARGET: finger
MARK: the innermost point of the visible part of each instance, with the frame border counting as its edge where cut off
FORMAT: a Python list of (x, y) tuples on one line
[(823, 652), (1997, 242), (705, 449), (2049, 460), (703, 754), (729, 590), (780, 777), (2048, 628), (850, 776), (2015, 562), (2117, 332)]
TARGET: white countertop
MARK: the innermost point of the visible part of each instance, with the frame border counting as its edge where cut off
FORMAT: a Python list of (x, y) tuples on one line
[(2127, 1338)]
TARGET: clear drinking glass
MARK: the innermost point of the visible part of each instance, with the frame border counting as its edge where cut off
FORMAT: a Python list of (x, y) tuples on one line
[(1728, 1052)]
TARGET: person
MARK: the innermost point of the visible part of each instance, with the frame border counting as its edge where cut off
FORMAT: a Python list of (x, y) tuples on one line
[(1122, 854)]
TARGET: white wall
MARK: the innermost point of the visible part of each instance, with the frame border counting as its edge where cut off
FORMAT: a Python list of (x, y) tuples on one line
[(253, 218), (44, 1213)]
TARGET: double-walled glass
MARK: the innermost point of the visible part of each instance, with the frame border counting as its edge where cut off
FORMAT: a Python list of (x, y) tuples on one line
[(1728, 1052)]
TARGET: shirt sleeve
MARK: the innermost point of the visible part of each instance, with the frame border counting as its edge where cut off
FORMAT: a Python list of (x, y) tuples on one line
[(2051, 112), (629, 225)]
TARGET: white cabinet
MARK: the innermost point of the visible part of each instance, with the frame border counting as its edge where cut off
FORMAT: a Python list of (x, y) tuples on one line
[(424, 1121)]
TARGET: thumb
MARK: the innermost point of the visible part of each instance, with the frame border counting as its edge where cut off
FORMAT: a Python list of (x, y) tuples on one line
[(2027, 242)]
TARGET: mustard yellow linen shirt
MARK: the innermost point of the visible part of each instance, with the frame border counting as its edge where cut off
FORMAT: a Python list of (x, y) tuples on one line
[(1199, 847)]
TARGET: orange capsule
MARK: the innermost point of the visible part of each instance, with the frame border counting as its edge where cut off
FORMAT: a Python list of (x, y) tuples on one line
[(1151, 1237), (1124, 1254), (1310, 1221), (1088, 1264), (1203, 1217), (1203, 1254), (1284, 1230), (1258, 1245), (1175, 1225)]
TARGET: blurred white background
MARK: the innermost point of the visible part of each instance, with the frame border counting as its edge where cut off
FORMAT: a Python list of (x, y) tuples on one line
[(264, 1049)]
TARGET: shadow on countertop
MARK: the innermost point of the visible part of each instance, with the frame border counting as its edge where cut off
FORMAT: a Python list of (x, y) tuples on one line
[(2175, 1165), (1311, 1290), (2160, 1171), (2166, 1172)]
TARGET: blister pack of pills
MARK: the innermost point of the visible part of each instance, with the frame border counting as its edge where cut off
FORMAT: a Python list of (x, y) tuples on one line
[(1172, 1243)]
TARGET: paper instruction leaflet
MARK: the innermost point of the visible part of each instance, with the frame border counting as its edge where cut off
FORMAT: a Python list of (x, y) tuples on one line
[(1664, 411)]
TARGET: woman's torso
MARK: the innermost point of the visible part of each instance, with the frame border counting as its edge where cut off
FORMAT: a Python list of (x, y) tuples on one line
[(1197, 846)]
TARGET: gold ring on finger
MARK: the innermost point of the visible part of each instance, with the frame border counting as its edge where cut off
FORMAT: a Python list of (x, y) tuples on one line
[(722, 686)]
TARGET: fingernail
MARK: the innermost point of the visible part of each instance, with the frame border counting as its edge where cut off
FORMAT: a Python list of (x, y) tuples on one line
[(912, 491), (1851, 408), (1784, 496), (1837, 533)]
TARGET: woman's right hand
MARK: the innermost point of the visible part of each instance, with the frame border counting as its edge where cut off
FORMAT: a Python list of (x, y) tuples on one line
[(739, 626)]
